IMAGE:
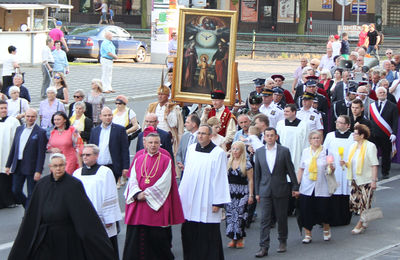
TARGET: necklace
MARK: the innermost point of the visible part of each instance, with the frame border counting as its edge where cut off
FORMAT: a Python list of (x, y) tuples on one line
[(151, 174), (60, 131)]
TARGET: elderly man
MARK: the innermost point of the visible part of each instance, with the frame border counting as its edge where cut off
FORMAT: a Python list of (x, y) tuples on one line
[(327, 60), (363, 95), (108, 54), (61, 222), (375, 80), (101, 189), (113, 143), (23, 93), (384, 118), (297, 75), (79, 95), (204, 190), (26, 158), (47, 66), (169, 116), (8, 126), (244, 122), (151, 119), (228, 120), (152, 204)]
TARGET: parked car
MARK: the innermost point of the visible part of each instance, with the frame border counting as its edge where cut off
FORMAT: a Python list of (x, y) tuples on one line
[(85, 41)]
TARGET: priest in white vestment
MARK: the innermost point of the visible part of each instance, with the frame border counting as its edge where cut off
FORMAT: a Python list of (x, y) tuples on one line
[(100, 187), (204, 189), (8, 126), (337, 144), (293, 134)]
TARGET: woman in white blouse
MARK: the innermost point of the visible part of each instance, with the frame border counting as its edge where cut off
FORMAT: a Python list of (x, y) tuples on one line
[(16, 106), (314, 192), (124, 116), (362, 170)]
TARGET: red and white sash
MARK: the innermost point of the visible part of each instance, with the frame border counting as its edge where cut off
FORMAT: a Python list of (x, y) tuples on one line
[(379, 120)]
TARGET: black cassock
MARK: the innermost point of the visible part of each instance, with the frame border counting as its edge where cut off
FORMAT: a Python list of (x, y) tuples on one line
[(61, 223)]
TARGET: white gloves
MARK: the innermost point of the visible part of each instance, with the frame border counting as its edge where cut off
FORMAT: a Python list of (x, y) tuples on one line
[(392, 138)]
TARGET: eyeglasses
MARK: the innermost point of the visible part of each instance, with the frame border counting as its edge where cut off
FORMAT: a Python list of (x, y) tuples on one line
[(77, 96), (388, 53), (57, 77), (57, 165), (86, 154), (118, 103)]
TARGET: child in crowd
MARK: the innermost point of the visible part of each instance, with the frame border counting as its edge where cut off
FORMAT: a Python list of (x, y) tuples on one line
[(253, 140), (345, 50)]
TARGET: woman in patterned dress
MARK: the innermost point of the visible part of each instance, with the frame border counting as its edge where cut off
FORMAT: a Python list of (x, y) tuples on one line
[(240, 176)]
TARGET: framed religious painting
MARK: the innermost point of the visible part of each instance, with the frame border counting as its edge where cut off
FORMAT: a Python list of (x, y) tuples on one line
[(205, 56)]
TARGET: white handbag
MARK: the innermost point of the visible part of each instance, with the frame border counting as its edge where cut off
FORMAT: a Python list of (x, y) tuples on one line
[(370, 213)]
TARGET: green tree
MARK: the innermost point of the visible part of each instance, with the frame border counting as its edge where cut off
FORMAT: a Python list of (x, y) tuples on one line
[(143, 5), (303, 17)]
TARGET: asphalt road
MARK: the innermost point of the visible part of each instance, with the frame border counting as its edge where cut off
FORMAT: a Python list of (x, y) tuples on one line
[(378, 242)]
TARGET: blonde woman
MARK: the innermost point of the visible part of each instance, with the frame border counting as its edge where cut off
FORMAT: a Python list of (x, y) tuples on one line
[(362, 36), (96, 98), (240, 176), (81, 123), (216, 138), (362, 170), (314, 63), (314, 191), (325, 79)]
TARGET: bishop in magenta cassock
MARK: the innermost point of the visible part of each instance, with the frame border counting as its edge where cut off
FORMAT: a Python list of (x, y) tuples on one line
[(152, 204)]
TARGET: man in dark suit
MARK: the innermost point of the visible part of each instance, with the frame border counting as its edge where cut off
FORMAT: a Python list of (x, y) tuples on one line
[(26, 157), (272, 163), (340, 89), (192, 124), (79, 95), (343, 107), (112, 141), (383, 112), (152, 120)]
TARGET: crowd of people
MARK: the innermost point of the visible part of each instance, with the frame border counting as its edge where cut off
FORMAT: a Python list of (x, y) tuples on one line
[(312, 150)]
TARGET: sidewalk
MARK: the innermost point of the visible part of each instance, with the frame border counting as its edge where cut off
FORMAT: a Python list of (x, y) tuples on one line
[(141, 80)]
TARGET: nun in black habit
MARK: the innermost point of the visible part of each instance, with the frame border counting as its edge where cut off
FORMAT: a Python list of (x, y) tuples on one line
[(60, 222)]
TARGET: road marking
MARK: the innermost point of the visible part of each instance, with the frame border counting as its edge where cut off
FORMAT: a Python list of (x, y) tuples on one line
[(394, 178), (10, 244), (376, 252)]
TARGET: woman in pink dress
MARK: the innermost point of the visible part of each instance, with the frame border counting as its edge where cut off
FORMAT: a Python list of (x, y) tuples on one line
[(362, 36), (65, 139)]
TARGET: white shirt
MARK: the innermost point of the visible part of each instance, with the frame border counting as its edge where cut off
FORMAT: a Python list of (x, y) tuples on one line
[(47, 56), (313, 119), (104, 8), (271, 156), (320, 186), (121, 119), (8, 65), (274, 114), (104, 140), (336, 46), (23, 140), (383, 103), (16, 107), (165, 124), (326, 62)]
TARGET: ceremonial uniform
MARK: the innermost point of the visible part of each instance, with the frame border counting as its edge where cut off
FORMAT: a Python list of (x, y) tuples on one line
[(274, 114), (312, 117)]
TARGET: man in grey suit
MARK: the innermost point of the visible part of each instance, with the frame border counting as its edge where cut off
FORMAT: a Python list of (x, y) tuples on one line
[(192, 124), (272, 164)]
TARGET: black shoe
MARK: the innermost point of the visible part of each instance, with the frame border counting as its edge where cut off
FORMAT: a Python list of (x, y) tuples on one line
[(263, 252), (384, 177), (282, 247)]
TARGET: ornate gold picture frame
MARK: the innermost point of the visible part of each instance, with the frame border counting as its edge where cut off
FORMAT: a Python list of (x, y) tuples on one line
[(205, 55)]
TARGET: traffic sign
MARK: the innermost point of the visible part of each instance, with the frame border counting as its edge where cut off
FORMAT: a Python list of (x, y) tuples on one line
[(363, 9), (343, 2)]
